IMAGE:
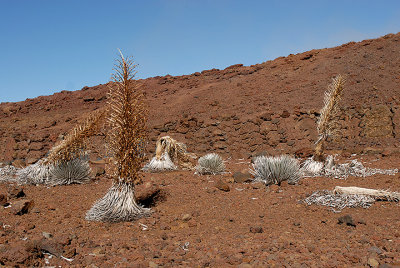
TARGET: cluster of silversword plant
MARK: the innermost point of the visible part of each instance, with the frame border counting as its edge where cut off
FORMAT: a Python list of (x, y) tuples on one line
[(354, 168), (51, 174), (210, 164), (275, 169)]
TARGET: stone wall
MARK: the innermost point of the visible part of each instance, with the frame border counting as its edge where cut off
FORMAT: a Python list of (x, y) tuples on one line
[(374, 129), (286, 132)]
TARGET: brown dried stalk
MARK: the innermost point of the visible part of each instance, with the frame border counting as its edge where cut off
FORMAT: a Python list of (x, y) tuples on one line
[(73, 144), (327, 123), (127, 120)]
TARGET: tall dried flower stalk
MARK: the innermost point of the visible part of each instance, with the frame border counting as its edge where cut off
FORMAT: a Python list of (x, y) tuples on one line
[(327, 123), (72, 146), (126, 141), (127, 121)]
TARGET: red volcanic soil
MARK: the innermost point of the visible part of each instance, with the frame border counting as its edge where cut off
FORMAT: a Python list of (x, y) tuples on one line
[(237, 112)]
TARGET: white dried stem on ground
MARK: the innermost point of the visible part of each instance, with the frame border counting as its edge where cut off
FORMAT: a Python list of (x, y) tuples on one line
[(274, 170), (377, 194), (210, 164), (117, 205), (342, 197), (338, 201)]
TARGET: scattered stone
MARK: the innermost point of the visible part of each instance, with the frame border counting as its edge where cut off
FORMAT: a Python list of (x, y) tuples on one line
[(373, 263), (273, 188), (164, 227), (375, 250), (266, 116), (19, 163), (290, 143), (256, 229), (3, 200), (223, 186), (23, 206), (88, 99), (258, 185), (51, 247), (69, 253), (47, 235), (304, 153), (285, 114), (240, 177), (31, 160), (361, 221), (257, 154), (98, 171), (245, 265), (192, 223), (153, 264), (149, 195), (98, 252), (385, 265), (346, 219), (186, 217), (15, 191)]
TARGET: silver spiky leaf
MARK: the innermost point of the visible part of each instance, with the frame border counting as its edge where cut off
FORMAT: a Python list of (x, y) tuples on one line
[(274, 170), (117, 205), (69, 172), (210, 164)]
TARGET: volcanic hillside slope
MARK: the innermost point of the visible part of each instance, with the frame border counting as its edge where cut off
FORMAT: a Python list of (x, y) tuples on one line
[(238, 111), (221, 220)]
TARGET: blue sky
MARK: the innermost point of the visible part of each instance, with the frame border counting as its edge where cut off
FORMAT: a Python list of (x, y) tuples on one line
[(51, 45)]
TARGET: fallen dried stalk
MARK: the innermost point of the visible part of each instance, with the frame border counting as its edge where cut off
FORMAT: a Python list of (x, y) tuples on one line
[(377, 194)]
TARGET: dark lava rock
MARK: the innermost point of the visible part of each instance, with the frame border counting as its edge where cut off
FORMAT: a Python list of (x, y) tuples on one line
[(22, 206), (257, 154), (304, 152), (223, 186), (346, 219), (150, 195), (256, 229), (285, 114), (15, 192), (240, 177), (3, 200)]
